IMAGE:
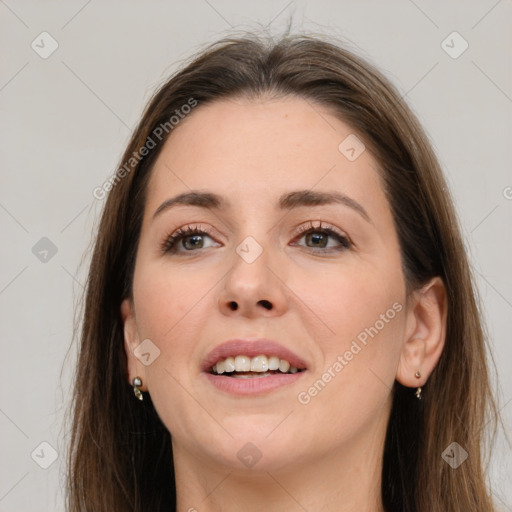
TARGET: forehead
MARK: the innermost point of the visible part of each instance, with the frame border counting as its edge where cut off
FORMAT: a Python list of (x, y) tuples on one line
[(249, 148)]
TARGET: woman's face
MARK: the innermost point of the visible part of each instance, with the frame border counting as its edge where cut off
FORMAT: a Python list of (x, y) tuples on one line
[(290, 239)]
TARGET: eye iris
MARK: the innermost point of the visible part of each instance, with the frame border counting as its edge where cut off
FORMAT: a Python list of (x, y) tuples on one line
[(198, 239), (318, 237)]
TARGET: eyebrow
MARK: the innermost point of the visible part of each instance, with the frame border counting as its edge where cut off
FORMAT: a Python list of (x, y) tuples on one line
[(287, 201)]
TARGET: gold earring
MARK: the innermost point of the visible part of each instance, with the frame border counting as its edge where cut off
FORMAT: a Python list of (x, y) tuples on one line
[(137, 383), (418, 390)]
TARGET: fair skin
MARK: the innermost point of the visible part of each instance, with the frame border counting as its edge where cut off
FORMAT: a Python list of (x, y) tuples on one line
[(322, 453)]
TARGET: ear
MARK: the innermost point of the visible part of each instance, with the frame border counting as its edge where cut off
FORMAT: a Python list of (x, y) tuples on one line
[(131, 341), (425, 333)]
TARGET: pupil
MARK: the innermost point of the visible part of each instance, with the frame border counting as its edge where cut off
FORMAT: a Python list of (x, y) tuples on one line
[(316, 237), (197, 239)]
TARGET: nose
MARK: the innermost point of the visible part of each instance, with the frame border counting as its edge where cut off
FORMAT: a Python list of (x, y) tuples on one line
[(252, 288)]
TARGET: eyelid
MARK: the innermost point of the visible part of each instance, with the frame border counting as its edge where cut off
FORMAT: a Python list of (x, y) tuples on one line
[(178, 234), (321, 225), (169, 243), (330, 230)]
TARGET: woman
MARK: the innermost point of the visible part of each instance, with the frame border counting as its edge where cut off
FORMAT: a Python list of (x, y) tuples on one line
[(279, 312)]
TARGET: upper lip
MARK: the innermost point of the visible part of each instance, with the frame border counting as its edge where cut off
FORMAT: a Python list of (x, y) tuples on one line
[(251, 348)]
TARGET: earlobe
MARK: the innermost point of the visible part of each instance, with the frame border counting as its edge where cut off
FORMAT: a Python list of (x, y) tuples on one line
[(131, 341), (425, 334)]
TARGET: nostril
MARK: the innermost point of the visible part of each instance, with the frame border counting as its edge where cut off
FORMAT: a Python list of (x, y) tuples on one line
[(233, 305), (266, 304)]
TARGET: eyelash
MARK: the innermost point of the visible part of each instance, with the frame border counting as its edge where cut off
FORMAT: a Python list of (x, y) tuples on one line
[(326, 230), (170, 242)]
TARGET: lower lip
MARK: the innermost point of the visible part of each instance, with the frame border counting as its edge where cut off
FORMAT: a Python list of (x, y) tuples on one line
[(254, 385)]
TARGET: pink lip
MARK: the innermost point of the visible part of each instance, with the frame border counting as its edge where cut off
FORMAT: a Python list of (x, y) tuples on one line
[(251, 348), (254, 385)]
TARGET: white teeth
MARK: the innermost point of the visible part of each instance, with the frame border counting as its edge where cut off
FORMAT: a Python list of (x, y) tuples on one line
[(242, 364), (273, 363), (284, 365), (259, 364), (220, 367), (229, 364)]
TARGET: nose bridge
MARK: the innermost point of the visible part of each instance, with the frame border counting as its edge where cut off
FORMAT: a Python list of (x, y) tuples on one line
[(250, 263), (255, 237)]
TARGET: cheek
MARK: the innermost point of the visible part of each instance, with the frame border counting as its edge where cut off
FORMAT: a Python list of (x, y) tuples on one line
[(165, 299), (353, 386), (350, 298), (362, 307), (171, 309)]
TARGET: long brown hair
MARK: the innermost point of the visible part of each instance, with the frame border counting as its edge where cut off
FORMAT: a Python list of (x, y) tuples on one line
[(120, 456)]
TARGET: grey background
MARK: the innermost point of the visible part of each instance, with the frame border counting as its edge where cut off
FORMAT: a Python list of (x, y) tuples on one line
[(66, 119)]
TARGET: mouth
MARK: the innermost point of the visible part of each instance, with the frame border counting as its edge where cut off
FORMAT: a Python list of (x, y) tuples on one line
[(252, 366)]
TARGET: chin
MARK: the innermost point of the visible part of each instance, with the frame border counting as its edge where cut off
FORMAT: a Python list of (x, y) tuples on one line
[(256, 448)]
